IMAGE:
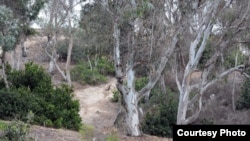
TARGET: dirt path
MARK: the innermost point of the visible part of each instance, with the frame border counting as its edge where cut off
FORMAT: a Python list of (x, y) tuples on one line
[(96, 108)]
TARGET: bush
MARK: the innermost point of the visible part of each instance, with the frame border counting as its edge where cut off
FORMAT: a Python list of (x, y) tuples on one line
[(84, 74), (162, 115), (32, 94), (105, 66), (244, 100), (33, 77), (116, 96), (78, 51), (17, 131), (140, 83)]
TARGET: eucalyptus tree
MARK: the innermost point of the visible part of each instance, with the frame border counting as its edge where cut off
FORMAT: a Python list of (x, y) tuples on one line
[(9, 31), (61, 16), (139, 41), (212, 27), (26, 11)]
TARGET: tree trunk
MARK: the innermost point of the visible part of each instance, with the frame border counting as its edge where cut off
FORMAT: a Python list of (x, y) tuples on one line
[(182, 107), (132, 116), (53, 60), (23, 47), (131, 103), (71, 41), (129, 95), (3, 71)]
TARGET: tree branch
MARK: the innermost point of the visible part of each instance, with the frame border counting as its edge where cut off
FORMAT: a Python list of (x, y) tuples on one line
[(154, 77), (219, 77)]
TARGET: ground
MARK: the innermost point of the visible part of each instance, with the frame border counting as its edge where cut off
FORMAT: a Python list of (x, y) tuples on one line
[(97, 111)]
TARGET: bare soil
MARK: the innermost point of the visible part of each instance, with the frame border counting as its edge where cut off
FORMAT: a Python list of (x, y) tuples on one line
[(96, 108)]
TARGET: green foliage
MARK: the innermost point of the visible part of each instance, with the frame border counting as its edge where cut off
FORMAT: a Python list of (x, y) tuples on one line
[(162, 114), (78, 51), (116, 96), (8, 29), (95, 31), (33, 77), (140, 83), (244, 100), (32, 98), (105, 66), (143, 8), (3, 125), (17, 131), (230, 58), (84, 74)]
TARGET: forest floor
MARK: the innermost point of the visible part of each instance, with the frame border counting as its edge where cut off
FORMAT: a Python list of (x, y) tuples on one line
[(96, 109)]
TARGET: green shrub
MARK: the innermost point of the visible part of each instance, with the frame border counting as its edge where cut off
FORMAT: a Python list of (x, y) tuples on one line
[(33, 77), (32, 98), (116, 96), (140, 83), (17, 131), (84, 74), (3, 125), (161, 116), (244, 100), (105, 66), (78, 51)]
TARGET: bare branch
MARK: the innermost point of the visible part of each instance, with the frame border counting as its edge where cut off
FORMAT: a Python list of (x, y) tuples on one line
[(246, 75), (154, 77), (177, 81), (219, 77)]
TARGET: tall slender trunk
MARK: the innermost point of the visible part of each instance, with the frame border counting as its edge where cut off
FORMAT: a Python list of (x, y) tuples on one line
[(69, 60), (3, 71), (233, 91), (71, 41)]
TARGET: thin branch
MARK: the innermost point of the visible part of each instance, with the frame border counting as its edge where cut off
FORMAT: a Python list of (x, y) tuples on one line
[(177, 81), (219, 77), (154, 77), (246, 75)]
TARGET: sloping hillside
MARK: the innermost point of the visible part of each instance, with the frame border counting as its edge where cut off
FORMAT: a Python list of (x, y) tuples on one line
[(97, 111)]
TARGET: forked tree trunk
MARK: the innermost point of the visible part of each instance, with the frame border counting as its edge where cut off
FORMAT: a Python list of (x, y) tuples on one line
[(129, 95)]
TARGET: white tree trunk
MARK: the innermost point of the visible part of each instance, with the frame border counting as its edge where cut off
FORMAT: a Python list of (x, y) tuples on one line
[(195, 53), (129, 95), (131, 102)]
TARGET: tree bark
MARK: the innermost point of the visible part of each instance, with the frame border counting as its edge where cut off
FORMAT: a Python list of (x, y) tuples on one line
[(71, 42), (4, 71)]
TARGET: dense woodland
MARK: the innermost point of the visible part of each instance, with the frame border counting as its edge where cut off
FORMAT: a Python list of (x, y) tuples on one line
[(175, 62)]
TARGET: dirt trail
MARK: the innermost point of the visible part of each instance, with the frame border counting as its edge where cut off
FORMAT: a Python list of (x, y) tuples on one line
[(96, 108)]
